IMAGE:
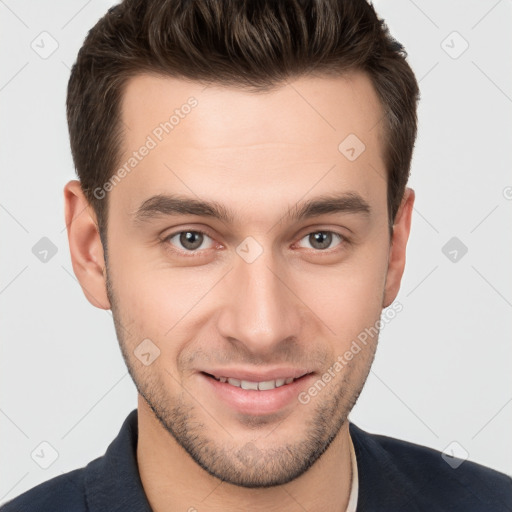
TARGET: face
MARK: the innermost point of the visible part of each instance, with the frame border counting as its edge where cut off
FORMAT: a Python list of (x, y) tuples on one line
[(247, 250)]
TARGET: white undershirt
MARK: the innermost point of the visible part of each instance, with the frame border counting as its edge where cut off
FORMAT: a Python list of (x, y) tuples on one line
[(354, 488)]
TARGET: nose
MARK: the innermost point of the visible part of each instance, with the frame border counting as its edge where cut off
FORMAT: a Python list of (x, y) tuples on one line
[(259, 308)]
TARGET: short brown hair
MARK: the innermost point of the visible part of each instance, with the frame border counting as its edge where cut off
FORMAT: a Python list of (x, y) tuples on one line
[(252, 44)]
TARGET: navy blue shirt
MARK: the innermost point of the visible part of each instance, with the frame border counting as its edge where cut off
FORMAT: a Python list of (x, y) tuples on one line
[(394, 476)]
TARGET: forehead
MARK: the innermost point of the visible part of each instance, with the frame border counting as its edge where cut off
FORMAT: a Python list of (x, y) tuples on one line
[(309, 135), (301, 110)]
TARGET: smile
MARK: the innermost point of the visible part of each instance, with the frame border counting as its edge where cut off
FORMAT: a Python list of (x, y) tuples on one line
[(256, 386), (256, 393)]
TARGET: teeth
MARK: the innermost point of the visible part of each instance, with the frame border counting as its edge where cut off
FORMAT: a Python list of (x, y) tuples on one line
[(262, 386), (247, 384), (268, 384)]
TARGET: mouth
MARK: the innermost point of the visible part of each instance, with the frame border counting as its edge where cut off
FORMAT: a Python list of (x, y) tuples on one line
[(265, 385), (254, 394)]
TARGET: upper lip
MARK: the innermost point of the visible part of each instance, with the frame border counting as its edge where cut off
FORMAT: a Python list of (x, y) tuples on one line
[(258, 376)]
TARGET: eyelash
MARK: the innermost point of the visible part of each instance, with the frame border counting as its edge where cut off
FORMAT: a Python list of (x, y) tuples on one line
[(197, 252)]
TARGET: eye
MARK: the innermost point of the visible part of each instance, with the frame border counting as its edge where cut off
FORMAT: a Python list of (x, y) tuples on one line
[(190, 241), (321, 240)]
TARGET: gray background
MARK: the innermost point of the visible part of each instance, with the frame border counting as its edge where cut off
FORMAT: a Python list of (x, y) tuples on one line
[(442, 371)]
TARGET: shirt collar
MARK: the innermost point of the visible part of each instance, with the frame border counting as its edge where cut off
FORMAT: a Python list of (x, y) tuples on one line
[(113, 481), (354, 487)]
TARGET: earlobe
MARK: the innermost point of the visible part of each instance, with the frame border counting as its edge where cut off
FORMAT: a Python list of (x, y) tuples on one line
[(397, 250), (85, 245)]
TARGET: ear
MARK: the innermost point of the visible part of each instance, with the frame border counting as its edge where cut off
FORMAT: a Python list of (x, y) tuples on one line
[(396, 260), (85, 245)]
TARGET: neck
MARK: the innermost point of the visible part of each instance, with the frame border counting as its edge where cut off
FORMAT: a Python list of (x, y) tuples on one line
[(173, 481)]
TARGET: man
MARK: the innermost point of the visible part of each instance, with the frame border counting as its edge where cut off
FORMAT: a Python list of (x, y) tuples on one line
[(244, 238)]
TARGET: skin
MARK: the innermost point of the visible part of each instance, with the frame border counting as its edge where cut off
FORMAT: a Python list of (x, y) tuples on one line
[(295, 305)]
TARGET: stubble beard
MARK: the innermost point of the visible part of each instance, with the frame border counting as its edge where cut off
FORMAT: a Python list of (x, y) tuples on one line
[(245, 465)]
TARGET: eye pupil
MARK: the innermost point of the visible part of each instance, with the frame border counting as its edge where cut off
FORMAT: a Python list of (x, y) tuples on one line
[(191, 239), (320, 239)]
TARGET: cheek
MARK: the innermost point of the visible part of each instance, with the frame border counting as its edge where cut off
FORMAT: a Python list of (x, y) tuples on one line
[(166, 305), (154, 303), (348, 297)]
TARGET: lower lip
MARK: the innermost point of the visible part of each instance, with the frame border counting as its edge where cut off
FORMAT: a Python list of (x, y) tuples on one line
[(253, 402)]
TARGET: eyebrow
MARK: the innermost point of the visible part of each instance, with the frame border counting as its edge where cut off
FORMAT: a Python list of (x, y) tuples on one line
[(174, 205)]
